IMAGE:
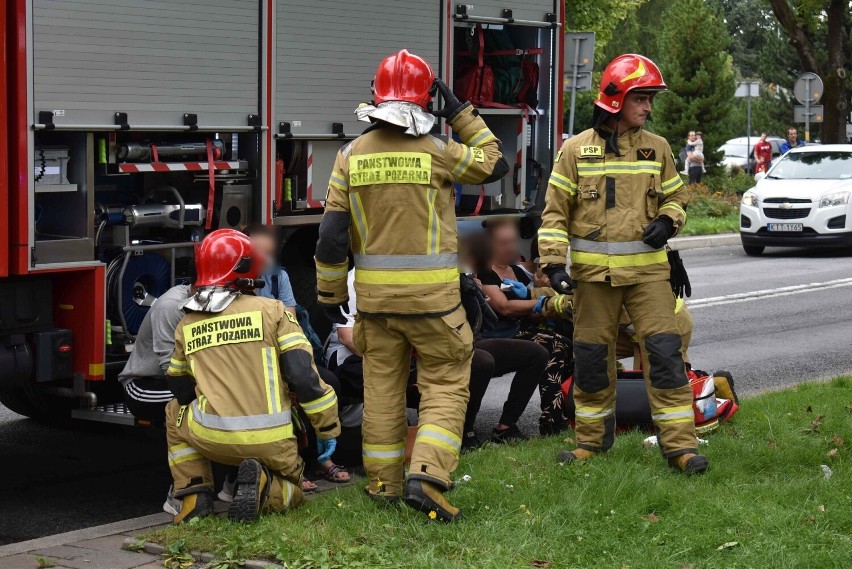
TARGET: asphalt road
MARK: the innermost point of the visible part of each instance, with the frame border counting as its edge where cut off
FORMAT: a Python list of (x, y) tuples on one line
[(60, 479)]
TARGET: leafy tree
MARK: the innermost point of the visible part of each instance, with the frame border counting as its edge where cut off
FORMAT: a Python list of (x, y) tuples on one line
[(699, 73), (819, 32)]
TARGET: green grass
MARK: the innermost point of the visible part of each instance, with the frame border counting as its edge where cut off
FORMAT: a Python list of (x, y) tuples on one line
[(698, 224), (764, 503)]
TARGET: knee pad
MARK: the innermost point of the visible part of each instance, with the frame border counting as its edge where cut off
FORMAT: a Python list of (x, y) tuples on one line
[(590, 366), (666, 363)]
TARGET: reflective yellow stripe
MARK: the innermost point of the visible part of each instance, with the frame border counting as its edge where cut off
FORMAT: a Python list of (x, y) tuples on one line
[(680, 414), (593, 413), (618, 261), (393, 453), (464, 163), (563, 183), (480, 138), (320, 404), (434, 229), (439, 437), (553, 235), (332, 273), (433, 276), (360, 218), (271, 380), (178, 367), (672, 185), (241, 437), (338, 182), (292, 340), (182, 453), (597, 168), (675, 207)]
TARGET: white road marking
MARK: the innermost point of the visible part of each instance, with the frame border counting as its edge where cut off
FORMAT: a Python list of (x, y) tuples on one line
[(767, 293)]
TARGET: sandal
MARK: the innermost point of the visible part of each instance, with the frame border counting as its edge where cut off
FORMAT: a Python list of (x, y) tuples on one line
[(333, 473), (308, 486)]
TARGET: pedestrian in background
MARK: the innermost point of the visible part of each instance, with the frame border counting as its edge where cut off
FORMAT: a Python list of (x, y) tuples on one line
[(694, 157), (792, 140), (762, 154)]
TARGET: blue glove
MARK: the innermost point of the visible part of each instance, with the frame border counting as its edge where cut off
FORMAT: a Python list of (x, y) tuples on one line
[(539, 305), (519, 288), (326, 448)]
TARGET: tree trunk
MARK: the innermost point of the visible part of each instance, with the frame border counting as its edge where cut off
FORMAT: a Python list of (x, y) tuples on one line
[(832, 72)]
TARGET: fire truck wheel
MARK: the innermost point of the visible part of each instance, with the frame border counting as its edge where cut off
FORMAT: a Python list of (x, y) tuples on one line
[(29, 401)]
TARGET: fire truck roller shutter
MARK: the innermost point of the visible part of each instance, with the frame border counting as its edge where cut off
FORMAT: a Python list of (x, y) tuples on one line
[(346, 41), (154, 60), (146, 278)]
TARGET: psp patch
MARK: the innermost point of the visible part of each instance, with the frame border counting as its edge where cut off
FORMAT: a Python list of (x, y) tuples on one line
[(591, 151), (290, 317), (646, 154), (478, 154)]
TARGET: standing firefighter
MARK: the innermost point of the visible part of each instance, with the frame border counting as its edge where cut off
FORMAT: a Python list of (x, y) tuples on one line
[(390, 199), (615, 196), (236, 359)]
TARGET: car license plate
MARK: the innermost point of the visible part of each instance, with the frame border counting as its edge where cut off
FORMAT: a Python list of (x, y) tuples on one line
[(785, 227)]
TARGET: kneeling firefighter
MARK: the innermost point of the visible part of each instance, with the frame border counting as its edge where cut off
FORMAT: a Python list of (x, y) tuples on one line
[(616, 198), (236, 359), (390, 198)]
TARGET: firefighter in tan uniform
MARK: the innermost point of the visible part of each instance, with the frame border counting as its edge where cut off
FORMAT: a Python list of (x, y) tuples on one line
[(615, 197), (390, 199), (236, 359)]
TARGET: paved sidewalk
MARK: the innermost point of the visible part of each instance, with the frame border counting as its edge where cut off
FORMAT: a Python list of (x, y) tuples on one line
[(701, 241)]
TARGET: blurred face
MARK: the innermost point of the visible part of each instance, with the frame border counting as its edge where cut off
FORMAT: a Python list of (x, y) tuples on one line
[(265, 246), (504, 243), (692, 136), (636, 109), (762, 137), (792, 134)]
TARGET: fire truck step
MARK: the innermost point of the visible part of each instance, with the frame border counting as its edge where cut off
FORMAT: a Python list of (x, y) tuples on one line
[(116, 413)]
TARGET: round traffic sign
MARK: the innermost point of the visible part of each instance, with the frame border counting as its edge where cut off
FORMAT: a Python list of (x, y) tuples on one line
[(808, 88)]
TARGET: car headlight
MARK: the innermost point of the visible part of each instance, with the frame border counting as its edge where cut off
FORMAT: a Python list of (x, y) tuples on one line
[(838, 198), (750, 198)]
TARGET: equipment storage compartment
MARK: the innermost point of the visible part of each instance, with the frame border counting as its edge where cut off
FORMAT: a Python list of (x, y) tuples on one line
[(63, 204), (526, 11), (505, 71), (324, 62), (154, 61)]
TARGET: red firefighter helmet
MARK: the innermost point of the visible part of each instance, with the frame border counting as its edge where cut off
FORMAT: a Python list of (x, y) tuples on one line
[(404, 77), (625, 73), (225, 256)]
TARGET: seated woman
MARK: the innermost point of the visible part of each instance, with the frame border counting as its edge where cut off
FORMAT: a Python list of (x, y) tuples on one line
[(510, 294)]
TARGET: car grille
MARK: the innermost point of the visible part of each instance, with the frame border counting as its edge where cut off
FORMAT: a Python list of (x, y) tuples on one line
[(786, 200), (779, 213)]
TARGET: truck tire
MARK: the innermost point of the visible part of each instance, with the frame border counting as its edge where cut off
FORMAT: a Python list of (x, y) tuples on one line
[(29, 401), (753, 250)]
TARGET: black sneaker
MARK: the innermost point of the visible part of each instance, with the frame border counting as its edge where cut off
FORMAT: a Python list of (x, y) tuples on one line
[(511, 435), (253, 483), (470, 442), (547, 428)]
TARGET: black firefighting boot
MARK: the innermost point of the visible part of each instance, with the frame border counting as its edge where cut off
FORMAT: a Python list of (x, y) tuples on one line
[(576, 455), (195, 505), (425, 497), (690, 463), (253, 482)]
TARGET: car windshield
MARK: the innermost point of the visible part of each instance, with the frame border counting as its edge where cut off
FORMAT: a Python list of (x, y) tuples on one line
[(814, 166)]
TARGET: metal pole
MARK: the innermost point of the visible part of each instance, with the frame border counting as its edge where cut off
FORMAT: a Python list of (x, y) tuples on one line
[(575, 67), (808, 109)]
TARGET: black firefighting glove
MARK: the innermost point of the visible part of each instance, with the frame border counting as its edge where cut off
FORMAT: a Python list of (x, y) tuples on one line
[(452, 105), (560, 280), (660, 230), (475, 305), (335, 312), (678, 277)]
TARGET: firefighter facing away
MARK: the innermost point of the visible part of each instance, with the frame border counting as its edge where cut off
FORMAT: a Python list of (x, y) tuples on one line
[(615, 198), (390, 199), (237, 357)]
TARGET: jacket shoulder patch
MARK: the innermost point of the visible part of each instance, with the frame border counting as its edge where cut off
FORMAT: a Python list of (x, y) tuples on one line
[(591, 151)]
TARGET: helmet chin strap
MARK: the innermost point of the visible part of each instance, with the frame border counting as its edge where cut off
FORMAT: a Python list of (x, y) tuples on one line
[(599, 117)]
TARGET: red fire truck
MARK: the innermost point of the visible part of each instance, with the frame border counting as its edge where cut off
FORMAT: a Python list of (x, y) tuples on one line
[(133, 127)]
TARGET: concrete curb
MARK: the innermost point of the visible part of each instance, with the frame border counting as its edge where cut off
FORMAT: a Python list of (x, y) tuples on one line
[(95, 532), (157, 549), (703, 241)]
